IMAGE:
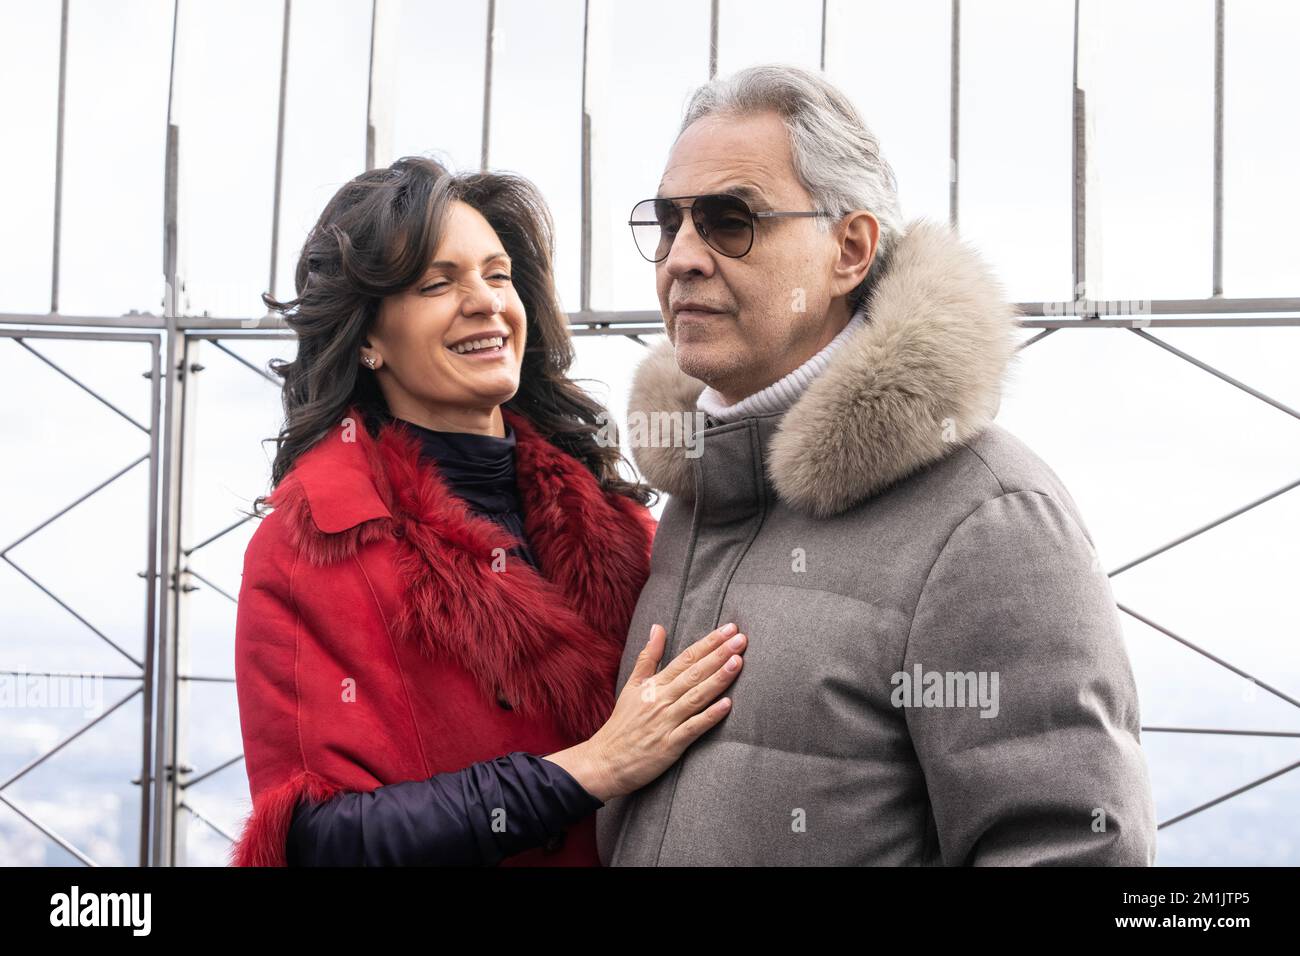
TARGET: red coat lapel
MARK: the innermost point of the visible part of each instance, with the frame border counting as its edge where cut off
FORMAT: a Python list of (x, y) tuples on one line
[(551, 642)]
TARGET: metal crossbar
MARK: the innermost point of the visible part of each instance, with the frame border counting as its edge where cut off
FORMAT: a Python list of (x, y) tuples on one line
[(1274, 403), (144, 677)]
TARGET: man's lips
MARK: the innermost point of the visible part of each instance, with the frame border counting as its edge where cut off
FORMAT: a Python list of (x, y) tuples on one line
[(691, 310)]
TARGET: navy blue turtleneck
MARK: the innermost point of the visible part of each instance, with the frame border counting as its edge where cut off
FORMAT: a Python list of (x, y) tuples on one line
[(481, 470), (447, 819)]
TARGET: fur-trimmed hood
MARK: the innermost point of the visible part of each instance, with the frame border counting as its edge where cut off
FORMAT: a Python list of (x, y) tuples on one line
[(924, 374)]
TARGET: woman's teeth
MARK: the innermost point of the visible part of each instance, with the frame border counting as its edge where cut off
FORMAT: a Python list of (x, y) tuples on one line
[(495, 342)]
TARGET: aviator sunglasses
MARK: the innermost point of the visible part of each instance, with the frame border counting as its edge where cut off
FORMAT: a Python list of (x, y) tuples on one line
[(725, 222)]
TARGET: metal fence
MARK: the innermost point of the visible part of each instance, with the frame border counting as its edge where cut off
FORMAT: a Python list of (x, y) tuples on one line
[(173, 342)]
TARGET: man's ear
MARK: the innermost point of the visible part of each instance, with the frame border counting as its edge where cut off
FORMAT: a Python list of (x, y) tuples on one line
[(859, 234)]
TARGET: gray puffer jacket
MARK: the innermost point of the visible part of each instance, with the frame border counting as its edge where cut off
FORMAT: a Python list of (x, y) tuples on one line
[(936, 672)]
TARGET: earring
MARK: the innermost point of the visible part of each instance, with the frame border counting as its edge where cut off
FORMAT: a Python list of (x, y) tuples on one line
[(370, 362)]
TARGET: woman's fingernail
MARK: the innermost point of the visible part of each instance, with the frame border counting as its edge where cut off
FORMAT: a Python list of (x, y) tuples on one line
[(728, 629), (734, 662), (736, 642)]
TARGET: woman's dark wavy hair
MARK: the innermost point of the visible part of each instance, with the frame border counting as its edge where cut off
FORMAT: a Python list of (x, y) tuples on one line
[(375, 238)]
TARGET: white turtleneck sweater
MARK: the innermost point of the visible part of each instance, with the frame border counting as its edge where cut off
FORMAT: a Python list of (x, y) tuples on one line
[(780, 395)]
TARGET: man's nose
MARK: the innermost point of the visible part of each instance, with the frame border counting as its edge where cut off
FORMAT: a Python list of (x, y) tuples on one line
[(689, 252)]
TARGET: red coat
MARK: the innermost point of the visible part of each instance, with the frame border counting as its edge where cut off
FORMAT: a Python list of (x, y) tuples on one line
[(376, 630)]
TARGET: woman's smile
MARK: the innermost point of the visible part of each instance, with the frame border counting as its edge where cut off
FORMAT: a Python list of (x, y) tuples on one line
[(486, 348)]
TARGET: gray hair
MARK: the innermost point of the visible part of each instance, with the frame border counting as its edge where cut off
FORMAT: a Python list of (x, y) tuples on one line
[(836, 156)]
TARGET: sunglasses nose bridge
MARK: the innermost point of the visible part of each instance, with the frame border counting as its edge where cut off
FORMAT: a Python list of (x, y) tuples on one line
[(706, 206), (688, 214)]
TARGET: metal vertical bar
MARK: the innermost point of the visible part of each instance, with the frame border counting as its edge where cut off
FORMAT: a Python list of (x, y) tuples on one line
[(279, 147), (713, 39), (185, 396), (487, 81), (171, 203), (1217, 286), (171, 170), (167, 761), (384, 23), (163, 803), (597, 50), (172, 583), (584, 280), (151, 595), (370, 89), (1078, 163), (954, 110), (58, 161), (166, 531), (822, 58)]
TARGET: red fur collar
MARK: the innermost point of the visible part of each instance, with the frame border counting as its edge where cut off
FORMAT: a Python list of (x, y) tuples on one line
[(551, 641)]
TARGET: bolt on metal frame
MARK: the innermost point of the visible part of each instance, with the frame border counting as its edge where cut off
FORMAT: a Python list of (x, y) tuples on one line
[(174, 340)]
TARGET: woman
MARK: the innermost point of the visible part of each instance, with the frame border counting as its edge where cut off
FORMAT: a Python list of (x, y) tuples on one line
[(431, 618)]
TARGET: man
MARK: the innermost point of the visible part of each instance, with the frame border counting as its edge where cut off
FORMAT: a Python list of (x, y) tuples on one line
[(935, 672)]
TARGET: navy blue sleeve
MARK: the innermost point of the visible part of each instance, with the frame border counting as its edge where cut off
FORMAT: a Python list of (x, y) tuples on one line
[(472, 817)]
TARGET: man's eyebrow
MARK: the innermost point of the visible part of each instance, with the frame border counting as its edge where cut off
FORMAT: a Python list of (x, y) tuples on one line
[(752, 195), (445, 264)]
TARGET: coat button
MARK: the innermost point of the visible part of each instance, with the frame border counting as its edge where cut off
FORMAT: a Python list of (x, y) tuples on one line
[(399, 531), (553, 844)]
